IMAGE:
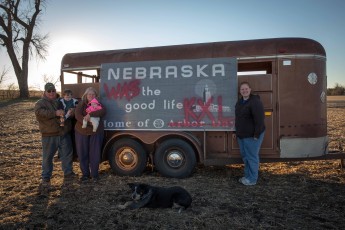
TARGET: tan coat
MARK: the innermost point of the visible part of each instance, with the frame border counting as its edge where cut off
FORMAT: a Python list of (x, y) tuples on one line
[(48, 122)]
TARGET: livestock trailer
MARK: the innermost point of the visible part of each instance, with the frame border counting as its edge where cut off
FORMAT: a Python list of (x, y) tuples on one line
[(153, 94)]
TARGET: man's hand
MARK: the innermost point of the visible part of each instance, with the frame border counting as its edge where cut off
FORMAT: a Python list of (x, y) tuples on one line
[(59, 113)]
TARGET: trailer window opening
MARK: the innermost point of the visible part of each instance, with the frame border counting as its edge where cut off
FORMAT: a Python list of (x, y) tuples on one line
[(254, 68), (77, 77), (252, 73)]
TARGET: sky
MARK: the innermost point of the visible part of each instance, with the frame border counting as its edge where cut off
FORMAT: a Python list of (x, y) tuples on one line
[(88, 25)]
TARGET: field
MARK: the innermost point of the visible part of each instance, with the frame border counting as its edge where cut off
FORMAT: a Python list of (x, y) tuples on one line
[(293, 195), (336, 101)]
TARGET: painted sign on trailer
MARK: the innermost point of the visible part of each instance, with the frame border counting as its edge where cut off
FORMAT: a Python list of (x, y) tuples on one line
[(191, 94)]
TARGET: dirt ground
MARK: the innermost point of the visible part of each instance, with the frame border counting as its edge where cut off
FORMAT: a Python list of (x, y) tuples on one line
[(295, 195)]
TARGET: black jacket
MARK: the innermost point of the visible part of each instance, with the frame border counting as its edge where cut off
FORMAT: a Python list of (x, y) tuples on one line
[(249, 121)]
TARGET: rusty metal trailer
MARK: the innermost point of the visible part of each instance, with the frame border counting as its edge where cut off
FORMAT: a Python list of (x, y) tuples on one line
[(289, 74)]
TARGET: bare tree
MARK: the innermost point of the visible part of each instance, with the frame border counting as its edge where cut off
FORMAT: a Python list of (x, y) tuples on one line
[(12, 90), (18, 21), (3, 75), (50, 79)]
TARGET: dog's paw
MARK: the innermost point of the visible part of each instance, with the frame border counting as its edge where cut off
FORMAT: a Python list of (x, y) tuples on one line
[(124, 206), (121, 207)]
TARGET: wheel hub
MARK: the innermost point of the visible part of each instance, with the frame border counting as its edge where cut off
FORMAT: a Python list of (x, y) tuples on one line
[(127, 158), (175, 159)]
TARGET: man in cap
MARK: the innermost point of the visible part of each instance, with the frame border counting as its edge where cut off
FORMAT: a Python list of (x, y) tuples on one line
[(54, 137)]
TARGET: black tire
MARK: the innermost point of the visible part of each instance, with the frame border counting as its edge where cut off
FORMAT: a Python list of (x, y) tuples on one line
[(175, 158), (127, 157)]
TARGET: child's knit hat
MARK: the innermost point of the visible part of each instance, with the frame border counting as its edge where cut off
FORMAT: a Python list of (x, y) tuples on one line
[(93, 101)]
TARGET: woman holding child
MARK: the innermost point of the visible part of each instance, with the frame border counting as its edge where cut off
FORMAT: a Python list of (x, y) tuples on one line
[(88, 141)]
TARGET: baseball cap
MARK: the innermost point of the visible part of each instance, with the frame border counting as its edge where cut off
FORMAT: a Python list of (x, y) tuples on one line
[(49, 86)]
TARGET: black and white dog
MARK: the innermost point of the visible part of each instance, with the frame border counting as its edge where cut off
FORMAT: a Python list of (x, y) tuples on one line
[(144, 195)]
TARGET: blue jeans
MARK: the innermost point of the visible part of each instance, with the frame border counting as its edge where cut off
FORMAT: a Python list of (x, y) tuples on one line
[(249, 148), (50, 145), (89, 149)]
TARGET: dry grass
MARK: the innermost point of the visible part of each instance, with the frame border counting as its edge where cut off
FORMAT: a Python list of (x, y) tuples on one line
[(295, 195), (336, 98), (336, 101)]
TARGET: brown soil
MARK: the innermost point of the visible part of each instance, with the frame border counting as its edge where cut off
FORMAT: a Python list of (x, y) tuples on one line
[(295, 195)]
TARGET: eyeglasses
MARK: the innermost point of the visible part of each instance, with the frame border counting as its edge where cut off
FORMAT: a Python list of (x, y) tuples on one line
[(51, 91)]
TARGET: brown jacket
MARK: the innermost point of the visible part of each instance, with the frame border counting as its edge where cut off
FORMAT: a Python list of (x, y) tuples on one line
[(80, 112), (48, 122)]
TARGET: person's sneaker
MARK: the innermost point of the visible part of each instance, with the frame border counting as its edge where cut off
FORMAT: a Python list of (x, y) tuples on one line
[(84, 179), (245, 181), (70, 175), (95, 179), (240, 180), (45, 183), (45, 180)]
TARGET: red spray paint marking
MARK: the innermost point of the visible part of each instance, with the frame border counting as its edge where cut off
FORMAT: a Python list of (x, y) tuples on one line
[(221, 121), (187, 106), (204, 107), (188, 112), (128, 90)]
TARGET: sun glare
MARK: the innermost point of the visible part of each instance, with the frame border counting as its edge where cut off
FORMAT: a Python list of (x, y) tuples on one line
[(59, 46)]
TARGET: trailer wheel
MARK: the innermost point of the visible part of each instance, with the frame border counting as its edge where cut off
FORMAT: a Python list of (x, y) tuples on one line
[(127, 157), (175, 158)]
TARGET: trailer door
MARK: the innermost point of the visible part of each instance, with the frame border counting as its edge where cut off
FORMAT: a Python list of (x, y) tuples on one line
[(263, 80)]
